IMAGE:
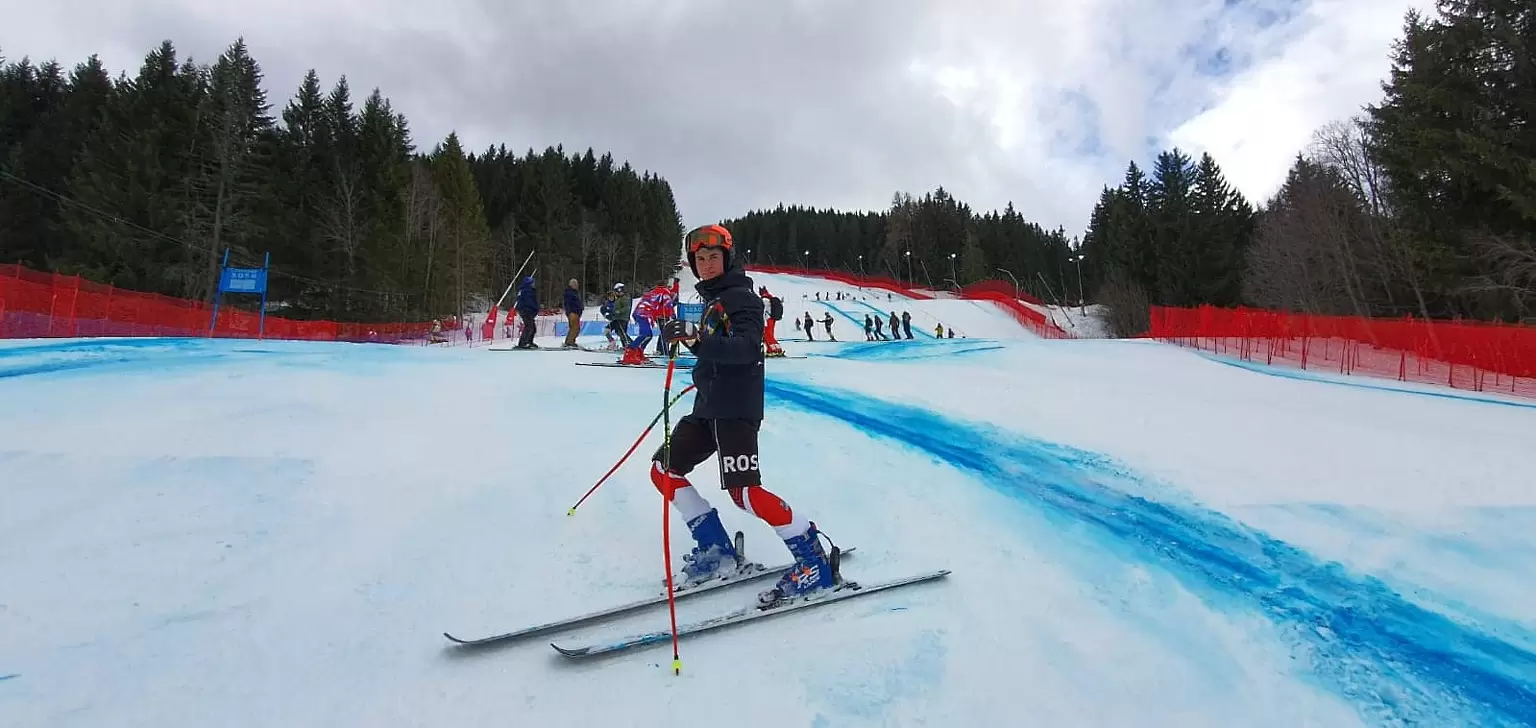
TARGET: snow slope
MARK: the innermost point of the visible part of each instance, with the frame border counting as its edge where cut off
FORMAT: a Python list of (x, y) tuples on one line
[(244, 533), (971, 319)]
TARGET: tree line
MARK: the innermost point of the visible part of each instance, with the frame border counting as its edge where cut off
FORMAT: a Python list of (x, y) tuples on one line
[(1424, 205), (934, 241), (143, 182)]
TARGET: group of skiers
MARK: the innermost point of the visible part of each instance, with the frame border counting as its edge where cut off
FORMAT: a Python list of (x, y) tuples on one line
[(657, 305), (653, 308)]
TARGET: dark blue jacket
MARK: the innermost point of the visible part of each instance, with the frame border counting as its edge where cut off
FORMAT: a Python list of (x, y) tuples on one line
[(729, 372), (527, 298), (573, 301)]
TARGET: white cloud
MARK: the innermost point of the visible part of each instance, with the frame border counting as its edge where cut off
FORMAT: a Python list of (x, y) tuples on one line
[(1267, 114), (824, 103)]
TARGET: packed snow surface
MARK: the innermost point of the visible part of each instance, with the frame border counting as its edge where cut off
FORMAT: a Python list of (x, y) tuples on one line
[(244, 533)]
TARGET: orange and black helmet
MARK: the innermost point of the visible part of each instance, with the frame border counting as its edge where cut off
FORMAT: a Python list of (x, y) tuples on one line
[(708, 236)]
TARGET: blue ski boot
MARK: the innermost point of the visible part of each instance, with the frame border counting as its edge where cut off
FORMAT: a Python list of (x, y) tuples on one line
[(812, 572), (715, 555)]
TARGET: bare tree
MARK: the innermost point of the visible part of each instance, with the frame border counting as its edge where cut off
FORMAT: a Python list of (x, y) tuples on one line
[(1126, 304), (423, 222), (1510, 269)]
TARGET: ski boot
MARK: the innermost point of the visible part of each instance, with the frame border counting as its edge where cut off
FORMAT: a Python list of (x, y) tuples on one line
[(775, 351), (812, 573), (715, 556), (633, 356)]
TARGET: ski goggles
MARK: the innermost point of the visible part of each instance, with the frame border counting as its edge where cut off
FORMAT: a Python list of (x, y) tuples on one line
[(709, 236)]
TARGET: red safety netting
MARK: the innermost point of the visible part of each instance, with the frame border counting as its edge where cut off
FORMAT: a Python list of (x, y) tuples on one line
[(1004, 294), (35, 304), (1461, 354)]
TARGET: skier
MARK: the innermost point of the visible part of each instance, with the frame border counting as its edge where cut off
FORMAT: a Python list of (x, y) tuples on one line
[(906, 322), (606, 311), (827, 322), (879, 329), (646, 310), (809, 327), (727, 414), (573, 308), (527, 306), (775, 313), (618, 316), (660, 302), (895, 326), (868, 329), (938, 331)]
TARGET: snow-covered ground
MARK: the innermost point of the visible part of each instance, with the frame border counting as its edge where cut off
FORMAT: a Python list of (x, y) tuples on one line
[(1082, 322), (243, 533)]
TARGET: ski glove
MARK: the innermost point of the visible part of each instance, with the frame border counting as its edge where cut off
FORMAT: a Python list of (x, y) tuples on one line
[(679, 331)]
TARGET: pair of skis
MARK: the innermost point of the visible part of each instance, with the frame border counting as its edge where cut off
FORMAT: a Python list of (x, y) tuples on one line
[(749, 573)]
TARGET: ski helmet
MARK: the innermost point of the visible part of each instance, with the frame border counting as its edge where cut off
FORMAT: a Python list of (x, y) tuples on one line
[(708, 236)]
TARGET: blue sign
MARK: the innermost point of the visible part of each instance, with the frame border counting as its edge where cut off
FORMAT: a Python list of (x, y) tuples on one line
[(690, 311), (243, 280)]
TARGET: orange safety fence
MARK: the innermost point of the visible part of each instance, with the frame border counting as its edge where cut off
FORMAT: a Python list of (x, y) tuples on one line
[(1469, 355), (35, 305), (1004, 294)]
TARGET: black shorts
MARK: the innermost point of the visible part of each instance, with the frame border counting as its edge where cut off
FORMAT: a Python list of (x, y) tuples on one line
[(694, 440)]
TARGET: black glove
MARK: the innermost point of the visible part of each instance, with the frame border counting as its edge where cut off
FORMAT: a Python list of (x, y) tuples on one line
[(678, 331)]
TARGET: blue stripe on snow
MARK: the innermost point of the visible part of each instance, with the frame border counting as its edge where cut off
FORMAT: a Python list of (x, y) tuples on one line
[(1397, 661), (1306, 376), (887, 314)]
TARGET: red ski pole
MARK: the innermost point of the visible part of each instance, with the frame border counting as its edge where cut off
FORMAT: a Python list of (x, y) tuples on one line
[(630, 451), (666, 502)]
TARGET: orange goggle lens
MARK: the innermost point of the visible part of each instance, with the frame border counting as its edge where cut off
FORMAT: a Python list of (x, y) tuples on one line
[(711, 237)]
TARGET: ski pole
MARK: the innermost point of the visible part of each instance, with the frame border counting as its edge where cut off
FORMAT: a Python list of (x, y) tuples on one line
[(627, 453), (666, 502)]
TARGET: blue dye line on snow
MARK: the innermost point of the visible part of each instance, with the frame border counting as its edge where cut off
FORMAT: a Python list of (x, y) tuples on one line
[(858, 324), (1305, 376), (887, 315), (7, 677), (1397, 661), (914, 349)]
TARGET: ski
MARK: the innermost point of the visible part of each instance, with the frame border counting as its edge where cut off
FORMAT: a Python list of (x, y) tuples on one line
[(546, 348), (752, 572), (614, 364), (847, 590)]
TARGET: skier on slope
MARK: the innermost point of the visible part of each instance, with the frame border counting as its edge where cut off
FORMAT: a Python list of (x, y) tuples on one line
[(664, 307), (647, 309), (775, 313), (618, 315), (727, 413), (527, 306)]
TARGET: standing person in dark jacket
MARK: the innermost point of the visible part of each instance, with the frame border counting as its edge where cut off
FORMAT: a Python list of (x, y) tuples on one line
[(809, 326), (906, 323), (869, 334), (895, 326), (618, 315), (826, 321), (573, 308), (727, 413), (879, 328), (527, 306)]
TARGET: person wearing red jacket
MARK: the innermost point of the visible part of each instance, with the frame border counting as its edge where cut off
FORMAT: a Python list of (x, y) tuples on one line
[(775, 310)]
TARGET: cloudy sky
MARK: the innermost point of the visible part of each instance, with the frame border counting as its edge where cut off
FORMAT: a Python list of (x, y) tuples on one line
[(830, 103)]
